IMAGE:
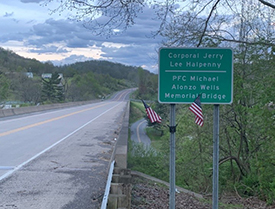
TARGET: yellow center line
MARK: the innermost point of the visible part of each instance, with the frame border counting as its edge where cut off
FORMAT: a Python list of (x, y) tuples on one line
[(48, 121), (138, 130)]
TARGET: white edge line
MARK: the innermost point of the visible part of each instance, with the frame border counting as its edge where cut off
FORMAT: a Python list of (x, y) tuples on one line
[(53, 145)]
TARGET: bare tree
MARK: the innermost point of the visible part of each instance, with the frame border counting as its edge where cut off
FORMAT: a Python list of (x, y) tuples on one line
[(267, 4), (106, 16), (214, 22), (205, 19)]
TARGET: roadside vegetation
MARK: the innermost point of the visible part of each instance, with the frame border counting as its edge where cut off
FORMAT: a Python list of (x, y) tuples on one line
[(150, 161), (247, 136)]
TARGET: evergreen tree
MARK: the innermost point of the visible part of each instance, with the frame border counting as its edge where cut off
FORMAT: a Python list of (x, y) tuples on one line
[(52, 89)]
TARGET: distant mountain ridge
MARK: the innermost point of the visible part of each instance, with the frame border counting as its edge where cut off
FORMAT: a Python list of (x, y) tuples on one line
[(12, 62)]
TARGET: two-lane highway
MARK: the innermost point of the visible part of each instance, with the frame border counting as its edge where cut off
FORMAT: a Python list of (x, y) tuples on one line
[(59, 159)]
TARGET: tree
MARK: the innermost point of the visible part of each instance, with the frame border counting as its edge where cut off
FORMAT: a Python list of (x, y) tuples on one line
[(4, 87), (85, 87), (103, 16), (203, 17), (25, 89), (142, 82), (215, 22), (52, 89), (147, 85)]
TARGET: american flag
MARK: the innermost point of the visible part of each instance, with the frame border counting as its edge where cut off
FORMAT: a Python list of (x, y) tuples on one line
[(197, 110), (152, 115)]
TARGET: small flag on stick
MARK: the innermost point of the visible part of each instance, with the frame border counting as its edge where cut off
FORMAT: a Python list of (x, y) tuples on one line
[(152, 115), (197, 110)]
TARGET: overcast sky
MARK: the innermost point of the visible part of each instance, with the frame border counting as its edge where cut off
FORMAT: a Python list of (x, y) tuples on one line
[(28, 29)]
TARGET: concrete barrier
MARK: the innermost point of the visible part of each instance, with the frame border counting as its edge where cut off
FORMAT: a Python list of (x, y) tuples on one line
[(8, 112), (1, 113), (120, 191), (31, 109), (122, 143), (151, 178)]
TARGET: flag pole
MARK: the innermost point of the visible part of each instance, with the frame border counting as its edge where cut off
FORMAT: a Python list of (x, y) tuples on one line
[(215, 195), (172, 169)]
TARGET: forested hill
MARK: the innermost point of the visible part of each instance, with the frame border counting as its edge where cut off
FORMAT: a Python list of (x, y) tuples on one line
[(12, 62), (115, 70), (79, 81)]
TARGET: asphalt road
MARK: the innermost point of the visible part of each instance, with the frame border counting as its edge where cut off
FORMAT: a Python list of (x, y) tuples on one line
[(59, 159), (138, 132)]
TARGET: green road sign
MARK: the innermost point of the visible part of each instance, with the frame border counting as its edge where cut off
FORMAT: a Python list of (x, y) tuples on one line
[(184, 73)]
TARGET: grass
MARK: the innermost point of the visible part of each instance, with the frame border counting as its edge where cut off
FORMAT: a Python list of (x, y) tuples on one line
[(155, 137), (136, 111)]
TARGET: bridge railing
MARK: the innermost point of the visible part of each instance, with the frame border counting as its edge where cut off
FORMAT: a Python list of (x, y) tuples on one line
[(119, 189)]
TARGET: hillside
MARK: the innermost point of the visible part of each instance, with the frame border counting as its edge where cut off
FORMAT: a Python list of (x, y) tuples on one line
[(12, 62), (115, 70), (80, 81)]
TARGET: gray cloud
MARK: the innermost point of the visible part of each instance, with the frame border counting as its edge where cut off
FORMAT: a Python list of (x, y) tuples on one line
[(137, 55), (49, 49), (141, 32), (77, 36), (71, 59), (8, 14), (12, 30), (134, 46)]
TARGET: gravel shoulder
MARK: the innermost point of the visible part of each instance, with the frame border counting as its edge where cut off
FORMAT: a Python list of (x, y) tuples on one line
[(148, 194)]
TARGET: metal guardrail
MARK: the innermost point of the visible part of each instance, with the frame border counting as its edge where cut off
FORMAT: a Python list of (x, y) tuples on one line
[(108, 186)]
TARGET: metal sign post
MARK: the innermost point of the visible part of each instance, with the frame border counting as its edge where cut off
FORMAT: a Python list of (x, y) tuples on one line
[(172, 157), (185, 73), (215, 194)]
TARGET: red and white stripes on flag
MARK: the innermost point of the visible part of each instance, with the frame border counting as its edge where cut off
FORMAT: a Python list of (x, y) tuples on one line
[(152, 115), (197, 110)]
